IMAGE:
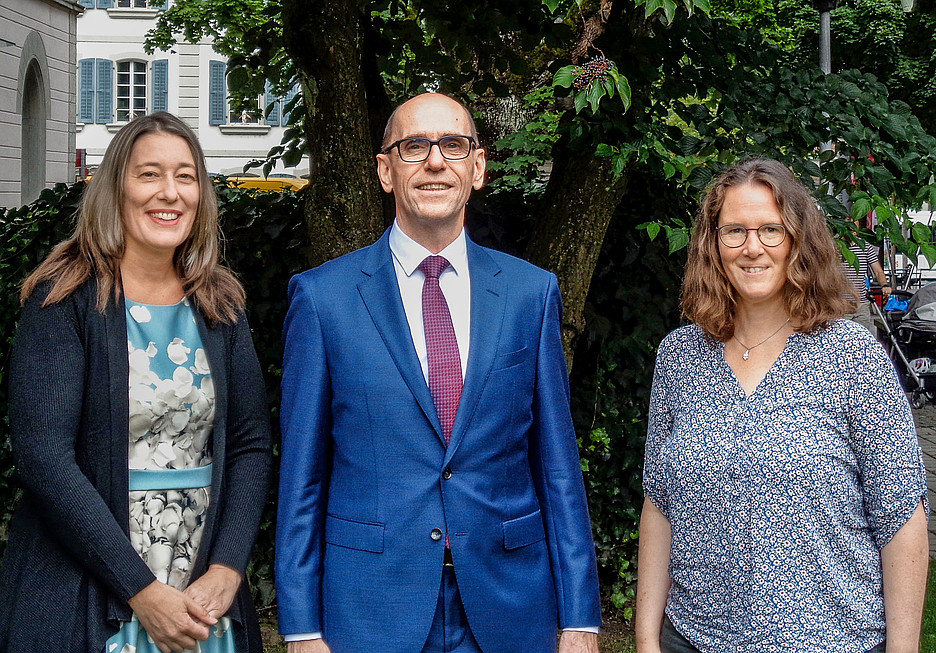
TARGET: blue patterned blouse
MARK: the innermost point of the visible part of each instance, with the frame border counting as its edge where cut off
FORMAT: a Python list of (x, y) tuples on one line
[(781, 501)]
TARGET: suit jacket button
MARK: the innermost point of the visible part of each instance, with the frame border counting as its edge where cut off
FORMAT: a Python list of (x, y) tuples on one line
[(436, 534), (447, 473)]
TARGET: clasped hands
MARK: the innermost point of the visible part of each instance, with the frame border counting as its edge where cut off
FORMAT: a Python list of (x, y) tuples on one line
[(178, 620)]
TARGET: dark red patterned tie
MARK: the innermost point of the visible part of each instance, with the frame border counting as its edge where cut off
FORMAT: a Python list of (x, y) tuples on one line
[(445, 374)]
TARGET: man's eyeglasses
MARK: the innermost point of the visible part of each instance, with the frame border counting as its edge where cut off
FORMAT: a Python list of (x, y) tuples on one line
[(414, 150), (735, 235)]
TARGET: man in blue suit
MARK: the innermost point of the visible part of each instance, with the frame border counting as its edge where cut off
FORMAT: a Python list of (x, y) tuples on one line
[(431, 497)]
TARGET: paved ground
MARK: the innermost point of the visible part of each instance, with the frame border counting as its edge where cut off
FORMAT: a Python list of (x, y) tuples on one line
[(926, 431)]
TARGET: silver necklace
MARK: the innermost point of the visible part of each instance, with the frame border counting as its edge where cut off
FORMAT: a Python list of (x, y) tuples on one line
[(747, 350)]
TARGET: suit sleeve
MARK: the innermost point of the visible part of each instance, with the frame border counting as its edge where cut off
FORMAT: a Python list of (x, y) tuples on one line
[(247, 454), (305, 419), (46, 400), (557, 473)]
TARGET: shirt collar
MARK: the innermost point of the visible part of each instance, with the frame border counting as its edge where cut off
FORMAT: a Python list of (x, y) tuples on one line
[(409, 254)]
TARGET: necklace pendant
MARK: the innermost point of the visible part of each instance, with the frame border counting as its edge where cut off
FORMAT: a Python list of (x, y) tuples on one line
[(747, 352)]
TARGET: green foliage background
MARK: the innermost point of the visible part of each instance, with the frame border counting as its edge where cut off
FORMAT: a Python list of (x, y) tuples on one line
[(632, 305)]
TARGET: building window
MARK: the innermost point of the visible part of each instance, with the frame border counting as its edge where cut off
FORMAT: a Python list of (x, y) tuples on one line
[(99, 93), (268, 109), (249, 115), (123, 4), (131, 90)]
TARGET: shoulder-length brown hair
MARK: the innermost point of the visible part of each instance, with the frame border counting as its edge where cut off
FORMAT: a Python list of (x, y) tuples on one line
[(815, 291), (97, 245)]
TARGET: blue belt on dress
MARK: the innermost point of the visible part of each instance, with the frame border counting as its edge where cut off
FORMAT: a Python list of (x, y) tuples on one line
[(169, 479)]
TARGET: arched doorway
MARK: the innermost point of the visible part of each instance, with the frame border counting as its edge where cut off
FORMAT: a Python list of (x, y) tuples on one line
[(33, 153)]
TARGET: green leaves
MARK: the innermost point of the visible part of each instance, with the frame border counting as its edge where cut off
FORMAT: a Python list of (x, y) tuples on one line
[(608, 84), (529, 149), (564, 76), (668, 8), (677, 234)]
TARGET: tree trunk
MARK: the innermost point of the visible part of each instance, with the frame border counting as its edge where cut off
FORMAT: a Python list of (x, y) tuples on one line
[(580, 200), (342, 201)]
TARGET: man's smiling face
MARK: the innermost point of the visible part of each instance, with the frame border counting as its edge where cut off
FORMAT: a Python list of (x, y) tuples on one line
[(431, 194)]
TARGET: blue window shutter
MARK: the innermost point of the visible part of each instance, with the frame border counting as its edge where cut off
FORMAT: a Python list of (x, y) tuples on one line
[(293, 92), (160, 74), (87, 4), (86, 91), (105, 4), (272, 112), (217, 92), (104, 89)]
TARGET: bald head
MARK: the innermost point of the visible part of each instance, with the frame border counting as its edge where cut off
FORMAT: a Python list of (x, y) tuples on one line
[(437, 99)]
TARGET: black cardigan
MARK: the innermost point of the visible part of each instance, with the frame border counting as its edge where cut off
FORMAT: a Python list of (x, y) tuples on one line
[(69, 567)]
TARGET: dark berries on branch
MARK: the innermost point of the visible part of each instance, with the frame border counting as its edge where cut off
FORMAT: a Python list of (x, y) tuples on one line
[(589, 71)]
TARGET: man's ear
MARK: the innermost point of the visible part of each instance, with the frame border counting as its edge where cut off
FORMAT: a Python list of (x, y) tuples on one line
[(480, 168), (384, 173)]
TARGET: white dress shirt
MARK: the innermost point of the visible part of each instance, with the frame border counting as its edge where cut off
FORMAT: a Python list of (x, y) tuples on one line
[(455, 282)]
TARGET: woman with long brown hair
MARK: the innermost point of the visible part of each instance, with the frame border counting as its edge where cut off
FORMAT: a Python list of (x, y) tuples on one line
[(785, 492), (138, 420)]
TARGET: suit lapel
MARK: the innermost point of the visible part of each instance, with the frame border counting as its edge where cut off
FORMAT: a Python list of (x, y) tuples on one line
[(488, 301), (381, 295)]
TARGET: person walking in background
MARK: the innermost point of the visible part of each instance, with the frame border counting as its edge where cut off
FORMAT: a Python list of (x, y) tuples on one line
[(785, 491), (869, 266), (138, 421), (431, 495)]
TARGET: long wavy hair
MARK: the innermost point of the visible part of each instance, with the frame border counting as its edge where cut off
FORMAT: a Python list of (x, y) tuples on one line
[(815, 291), (96, 247)]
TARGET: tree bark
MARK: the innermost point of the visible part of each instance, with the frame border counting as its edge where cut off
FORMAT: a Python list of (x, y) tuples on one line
[(342, 201), (580, 201)]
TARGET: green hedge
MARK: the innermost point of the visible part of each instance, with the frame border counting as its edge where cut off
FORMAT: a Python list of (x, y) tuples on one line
[(631, 307)]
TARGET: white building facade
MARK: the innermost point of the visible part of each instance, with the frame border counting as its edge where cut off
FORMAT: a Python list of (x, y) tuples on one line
[(117, 80), (37, 97)]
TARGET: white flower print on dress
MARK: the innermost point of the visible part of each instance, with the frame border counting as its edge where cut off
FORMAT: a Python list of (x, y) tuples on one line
[(201, 362), (177, 351), (172, 407), (140, 313)]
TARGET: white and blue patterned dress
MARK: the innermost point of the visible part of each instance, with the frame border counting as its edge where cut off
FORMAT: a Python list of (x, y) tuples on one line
[(781, 501), (172, 407)]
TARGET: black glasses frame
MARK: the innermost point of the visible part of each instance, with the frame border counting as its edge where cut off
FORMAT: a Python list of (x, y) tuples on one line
[(471, 144), (721, 237)]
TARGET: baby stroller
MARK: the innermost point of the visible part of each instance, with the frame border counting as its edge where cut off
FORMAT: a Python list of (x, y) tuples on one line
[(911, 342)]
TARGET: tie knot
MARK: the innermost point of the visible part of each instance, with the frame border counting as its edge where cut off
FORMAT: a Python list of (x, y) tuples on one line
[(433, 266)]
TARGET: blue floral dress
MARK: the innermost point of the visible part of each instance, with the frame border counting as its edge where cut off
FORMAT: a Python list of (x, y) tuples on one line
[(172, 407)]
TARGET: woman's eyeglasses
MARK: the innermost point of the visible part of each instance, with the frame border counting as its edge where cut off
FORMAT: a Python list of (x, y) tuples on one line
[(735, 235)]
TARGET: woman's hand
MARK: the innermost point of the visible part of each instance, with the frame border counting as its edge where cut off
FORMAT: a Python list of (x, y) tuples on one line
[(215, 590), (174, 621)]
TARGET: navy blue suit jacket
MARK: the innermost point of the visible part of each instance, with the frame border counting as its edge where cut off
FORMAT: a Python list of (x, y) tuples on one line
[(366, 476)]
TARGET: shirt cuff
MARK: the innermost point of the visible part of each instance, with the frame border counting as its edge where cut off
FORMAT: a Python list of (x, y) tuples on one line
[(583, 629), (301, 637)]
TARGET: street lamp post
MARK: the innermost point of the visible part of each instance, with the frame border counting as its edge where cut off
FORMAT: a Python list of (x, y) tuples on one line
[(825, 7)]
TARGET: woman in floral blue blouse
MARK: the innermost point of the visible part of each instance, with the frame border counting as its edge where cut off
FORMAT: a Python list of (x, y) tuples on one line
[(785, 492)]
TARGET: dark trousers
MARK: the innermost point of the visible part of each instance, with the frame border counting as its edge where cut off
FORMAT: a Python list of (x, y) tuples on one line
[(450, 631), (672, 642)]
